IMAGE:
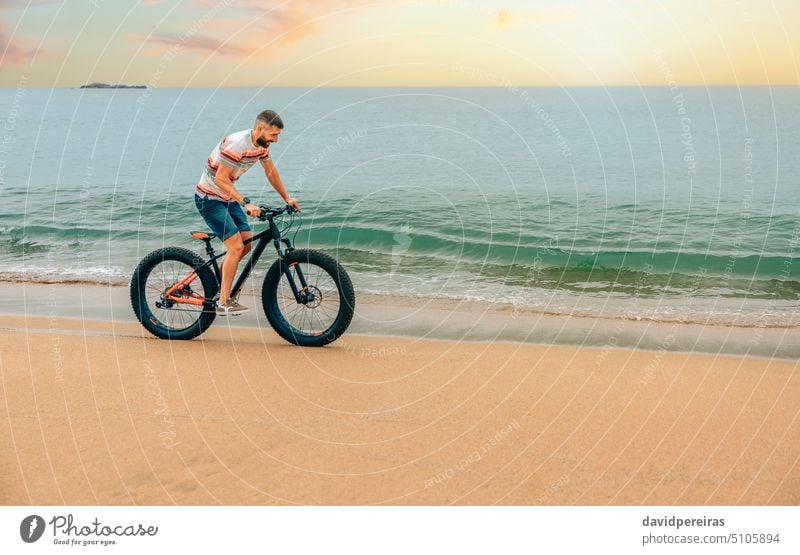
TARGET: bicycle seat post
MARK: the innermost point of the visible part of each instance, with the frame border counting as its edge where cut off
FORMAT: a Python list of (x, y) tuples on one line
[(209, 248)]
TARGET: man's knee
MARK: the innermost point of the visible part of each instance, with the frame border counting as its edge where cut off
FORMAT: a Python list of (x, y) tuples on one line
[(235, 246), (247, 247)]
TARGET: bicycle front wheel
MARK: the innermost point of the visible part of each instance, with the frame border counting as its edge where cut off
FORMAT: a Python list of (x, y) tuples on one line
[(163, 316), (328, 299)]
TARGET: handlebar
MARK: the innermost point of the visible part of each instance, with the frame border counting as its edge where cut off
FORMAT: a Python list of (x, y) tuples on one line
[(267, 212)]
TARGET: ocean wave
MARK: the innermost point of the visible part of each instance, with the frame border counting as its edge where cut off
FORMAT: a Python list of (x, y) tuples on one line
[(539, 251), (19, 246), (593, 299)]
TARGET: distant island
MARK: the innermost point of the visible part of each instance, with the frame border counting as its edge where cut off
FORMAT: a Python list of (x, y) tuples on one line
[(107, 86)]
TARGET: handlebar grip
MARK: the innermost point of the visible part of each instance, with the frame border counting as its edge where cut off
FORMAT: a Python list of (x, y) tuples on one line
[(267, 210)]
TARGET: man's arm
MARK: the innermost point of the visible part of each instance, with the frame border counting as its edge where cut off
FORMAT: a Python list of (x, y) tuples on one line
[(225, 183), (274, 179)]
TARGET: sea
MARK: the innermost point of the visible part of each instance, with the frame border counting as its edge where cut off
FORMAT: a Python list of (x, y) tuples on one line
[(674, 204)]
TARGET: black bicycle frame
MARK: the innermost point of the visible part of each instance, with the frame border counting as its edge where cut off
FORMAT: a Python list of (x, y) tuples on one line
[(271, 233)]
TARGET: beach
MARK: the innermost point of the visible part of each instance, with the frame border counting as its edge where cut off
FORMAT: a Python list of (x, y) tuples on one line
[(552, 251), (565, 296), (97, 412)]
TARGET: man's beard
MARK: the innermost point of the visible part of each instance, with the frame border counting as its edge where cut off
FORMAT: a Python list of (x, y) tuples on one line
[(262, 142)]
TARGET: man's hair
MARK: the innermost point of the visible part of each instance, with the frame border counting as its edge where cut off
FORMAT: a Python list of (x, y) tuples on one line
[(270, 117)]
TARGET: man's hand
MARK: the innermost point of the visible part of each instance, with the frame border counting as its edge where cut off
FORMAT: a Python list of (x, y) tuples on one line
[(294, 203), (252, 210)]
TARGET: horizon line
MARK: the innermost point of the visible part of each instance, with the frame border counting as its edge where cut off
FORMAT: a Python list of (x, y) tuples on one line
[(130, 86)]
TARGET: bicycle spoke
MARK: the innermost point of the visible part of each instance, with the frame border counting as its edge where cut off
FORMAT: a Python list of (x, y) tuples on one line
[(176, 316), (319, 315)]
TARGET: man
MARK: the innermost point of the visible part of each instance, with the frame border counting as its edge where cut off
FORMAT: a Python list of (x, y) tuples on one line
[(223, 207)]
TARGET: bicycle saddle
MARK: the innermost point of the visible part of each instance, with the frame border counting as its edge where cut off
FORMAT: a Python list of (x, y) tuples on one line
[(204, 235)]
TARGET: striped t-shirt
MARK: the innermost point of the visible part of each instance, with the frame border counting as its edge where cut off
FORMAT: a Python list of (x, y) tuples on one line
[(236, 151)]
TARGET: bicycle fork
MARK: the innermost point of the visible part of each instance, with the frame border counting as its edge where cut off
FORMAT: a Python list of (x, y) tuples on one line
[(303, 294)]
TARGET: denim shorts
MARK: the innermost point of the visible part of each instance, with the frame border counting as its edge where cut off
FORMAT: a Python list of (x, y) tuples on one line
[(224, 218)]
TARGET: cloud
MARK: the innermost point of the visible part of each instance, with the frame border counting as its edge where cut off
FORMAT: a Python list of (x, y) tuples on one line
[(202, 43), (13, 53), (17, 52), (288, 23), (307, 8), (275, 27), (285, 29)]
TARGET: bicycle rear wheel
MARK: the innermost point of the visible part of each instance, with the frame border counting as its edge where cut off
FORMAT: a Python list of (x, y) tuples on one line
[(330, 299), (164, 317)]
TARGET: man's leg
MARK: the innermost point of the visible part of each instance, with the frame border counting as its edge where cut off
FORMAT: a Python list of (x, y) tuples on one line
[(239, 219), (235, 251), (249, 246), (245, 235), (228, 221)]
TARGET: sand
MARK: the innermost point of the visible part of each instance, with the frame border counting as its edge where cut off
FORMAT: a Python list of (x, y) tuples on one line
[(99, 412)]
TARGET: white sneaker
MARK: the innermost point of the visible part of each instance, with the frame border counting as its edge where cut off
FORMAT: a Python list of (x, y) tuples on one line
[(230, 308)]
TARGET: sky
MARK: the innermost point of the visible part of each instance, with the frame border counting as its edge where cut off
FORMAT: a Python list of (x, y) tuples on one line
[(228, 43)]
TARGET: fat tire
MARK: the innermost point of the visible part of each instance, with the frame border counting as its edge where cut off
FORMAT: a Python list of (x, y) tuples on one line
[(347, 298), (138, 299)]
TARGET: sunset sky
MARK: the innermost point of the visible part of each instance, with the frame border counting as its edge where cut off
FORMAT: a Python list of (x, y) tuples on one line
[(193, 43)]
